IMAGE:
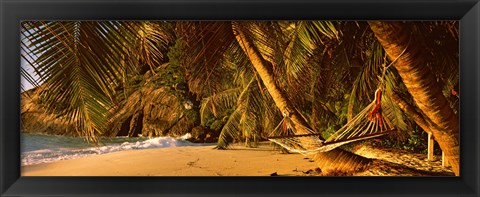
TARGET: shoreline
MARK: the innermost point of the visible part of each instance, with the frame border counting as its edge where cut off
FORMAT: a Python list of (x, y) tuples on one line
[(235, 161), (179, 161)]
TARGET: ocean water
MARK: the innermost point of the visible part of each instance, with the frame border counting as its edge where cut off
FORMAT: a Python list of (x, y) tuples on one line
[(39, 148)]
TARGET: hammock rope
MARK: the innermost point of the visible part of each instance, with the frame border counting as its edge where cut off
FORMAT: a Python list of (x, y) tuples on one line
[(359, 128), (373, 121), (363, 126)]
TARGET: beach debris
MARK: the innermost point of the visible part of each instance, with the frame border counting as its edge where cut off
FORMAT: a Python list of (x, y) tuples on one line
[(274, 174), (311, 171), (307, 158), (192, 163)]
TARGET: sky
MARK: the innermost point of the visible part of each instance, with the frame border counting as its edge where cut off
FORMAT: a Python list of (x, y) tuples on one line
[(25, 85)]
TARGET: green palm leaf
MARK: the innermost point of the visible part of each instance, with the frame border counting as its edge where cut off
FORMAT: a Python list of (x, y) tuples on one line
[(218, 103), (81, 64)]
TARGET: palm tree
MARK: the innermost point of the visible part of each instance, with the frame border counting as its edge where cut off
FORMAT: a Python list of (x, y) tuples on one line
[(80, 63), (243, 35), (237, 70), (396, 39)]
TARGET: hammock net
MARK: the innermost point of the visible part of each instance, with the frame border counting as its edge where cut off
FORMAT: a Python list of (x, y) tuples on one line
[(372, 121)]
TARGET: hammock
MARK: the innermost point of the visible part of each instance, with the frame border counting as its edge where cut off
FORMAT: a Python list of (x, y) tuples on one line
[(372, 121)]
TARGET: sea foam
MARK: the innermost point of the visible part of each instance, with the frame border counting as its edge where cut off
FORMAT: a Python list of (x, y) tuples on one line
[(52, 152)]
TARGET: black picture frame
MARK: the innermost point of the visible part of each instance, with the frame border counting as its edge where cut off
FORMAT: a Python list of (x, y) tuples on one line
[(14, 11)]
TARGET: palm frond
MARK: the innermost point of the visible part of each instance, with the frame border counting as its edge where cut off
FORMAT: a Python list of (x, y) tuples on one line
[(391, 85), (230, 130), (204, 47), (218, 103), (252, 118), (79, 62), (154, 38)]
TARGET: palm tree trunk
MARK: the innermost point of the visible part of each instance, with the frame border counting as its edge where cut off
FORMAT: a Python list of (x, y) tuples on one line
[(395, 38), (335, 160), (410, 111)]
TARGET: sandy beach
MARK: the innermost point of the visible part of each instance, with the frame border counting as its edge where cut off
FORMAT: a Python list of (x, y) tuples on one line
[(236, 161), (179, 161), (152, 98)]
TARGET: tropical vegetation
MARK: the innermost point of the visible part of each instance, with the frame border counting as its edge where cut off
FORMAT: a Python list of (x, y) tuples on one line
[(230, 81)]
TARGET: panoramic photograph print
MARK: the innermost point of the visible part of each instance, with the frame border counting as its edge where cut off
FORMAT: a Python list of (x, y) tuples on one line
[(240, 98)]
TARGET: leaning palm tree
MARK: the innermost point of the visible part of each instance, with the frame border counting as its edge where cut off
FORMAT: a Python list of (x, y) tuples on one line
[(262, 43), (250, 109), (297, 66), (396, 39), (210, 40)]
